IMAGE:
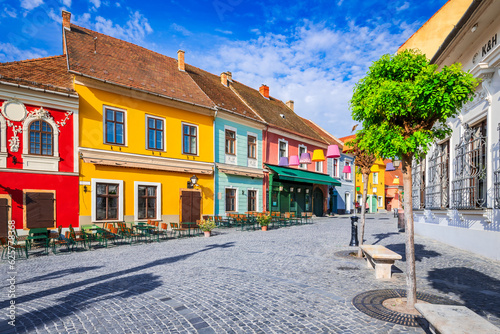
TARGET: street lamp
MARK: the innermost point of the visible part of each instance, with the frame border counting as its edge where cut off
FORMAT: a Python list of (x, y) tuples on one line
[(193, 181)]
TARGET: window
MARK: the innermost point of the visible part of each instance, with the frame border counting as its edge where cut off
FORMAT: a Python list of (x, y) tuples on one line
[(189, 139), (380, 202), (155, 130), (469, 186), (335, 167), (230, 142), (230, 200), (41, 139), (347, 176), (252, 200), (147, 202), (107, 196), (39, 209), (437, 189), (252, 147), (418, 182), (115, 127), (283, 148), (319, 166), (302, 149), (375, 178)]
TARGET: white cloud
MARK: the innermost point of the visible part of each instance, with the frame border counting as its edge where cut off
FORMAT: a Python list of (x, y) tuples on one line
[(67, 3), (117, 4), (180, 29), (9, 52), (136, 28), (225, 32), (314, 65), (96, 3), (406, 5), (30, 4), (9, 11)]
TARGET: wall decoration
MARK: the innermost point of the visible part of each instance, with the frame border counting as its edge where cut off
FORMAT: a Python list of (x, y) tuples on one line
[(14, 110)]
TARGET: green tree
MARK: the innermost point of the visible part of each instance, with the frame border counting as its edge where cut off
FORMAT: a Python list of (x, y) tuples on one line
[(403, 103)]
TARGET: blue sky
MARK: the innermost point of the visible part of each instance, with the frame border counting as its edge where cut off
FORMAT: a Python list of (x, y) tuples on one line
[(309, 52)]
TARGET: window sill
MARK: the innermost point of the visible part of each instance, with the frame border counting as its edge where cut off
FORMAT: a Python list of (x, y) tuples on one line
[(41, 162)]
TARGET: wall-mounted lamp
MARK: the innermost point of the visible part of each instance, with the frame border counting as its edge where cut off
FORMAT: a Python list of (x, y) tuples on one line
[(474, 28), (81, 155), (243, 192), (14, 159), (85, 189), (281, 188), (299, 190), (193, 181), (307, 191), (291, 189)]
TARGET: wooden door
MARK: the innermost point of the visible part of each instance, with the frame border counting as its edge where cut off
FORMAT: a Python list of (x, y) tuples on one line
[(318, 202), (190, 206), (4, 217), (40, 209)]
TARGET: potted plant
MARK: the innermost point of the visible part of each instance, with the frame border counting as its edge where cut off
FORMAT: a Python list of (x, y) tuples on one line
[(207, 225), (264, 221)]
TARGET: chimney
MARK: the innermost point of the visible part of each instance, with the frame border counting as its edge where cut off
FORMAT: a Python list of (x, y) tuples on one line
[(180, 60), (229, 76), (264, 91), (289, 104), (223, 79), (66, 16)]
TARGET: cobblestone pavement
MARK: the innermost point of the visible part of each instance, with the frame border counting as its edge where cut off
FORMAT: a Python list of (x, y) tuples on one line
[(287, 280)]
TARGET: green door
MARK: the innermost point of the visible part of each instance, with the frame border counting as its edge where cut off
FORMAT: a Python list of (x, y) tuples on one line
[(284, 201), (373, 207), (318, 202)]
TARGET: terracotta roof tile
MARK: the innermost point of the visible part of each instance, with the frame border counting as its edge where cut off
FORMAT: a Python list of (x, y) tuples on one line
[(222, 96), (48, 73), (271, 110), (329, 138), (108, 58)]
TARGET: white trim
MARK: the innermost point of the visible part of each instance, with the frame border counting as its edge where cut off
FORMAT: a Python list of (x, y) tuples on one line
[(253, 162), (257, 208), (380, 201), (299, 147), (29, 96), (241, 119), (320, 164), (146, 142), (120, 198), (229, 158), (236, 198), (76, 132), (375, 175), (197, 139), (158, 199), (348, 176), (336, 169), (125, 124), (3, 133), (280, 140), (55, 130)]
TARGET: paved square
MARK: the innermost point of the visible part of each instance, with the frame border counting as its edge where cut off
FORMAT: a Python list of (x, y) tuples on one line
[(287, 280)]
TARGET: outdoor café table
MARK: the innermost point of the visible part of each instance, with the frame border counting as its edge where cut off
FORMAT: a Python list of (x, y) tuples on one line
[(94, 233), (144, 229), (189, 226), (37, 234)]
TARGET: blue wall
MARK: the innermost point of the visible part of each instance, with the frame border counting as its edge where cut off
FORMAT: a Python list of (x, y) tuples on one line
[(240, 183), (347, 186)]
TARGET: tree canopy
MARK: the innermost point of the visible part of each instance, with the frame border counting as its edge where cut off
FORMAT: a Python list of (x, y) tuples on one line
[(404, 101)]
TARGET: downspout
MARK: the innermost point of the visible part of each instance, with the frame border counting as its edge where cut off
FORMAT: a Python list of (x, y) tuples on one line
[(216, 190)]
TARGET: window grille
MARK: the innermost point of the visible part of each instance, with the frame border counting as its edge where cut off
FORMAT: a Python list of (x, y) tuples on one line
[(418, 184), (469, 186), (438, 186), (497, 179)]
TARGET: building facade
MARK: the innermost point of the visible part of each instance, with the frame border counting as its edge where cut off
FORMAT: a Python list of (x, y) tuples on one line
[(456, 188), (38, 135)]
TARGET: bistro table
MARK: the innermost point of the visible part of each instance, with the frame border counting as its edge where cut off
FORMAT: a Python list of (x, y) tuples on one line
[(144, 229), (189, 226), (37, 235)]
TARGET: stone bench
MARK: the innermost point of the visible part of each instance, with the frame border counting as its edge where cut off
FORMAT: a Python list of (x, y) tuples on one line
[(380, 258), (451, 319)]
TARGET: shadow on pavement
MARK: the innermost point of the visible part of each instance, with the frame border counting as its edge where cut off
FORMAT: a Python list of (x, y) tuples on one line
[(478, 291), (420, 251), (381, 236)]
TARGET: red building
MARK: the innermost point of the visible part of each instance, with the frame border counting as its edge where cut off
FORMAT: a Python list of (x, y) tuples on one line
[(38, 140)]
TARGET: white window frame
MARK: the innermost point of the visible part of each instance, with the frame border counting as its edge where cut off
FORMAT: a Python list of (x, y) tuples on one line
[(380, 202), (125, 125), (375, 178), (320, 164), (282, 140), (236, 206), (121, 200), (35, 161), (230, 128), (3, 141), (348, 176), (147, 134), (197, 139), (257, 208), (336, 169), (302, 166), (158, 200), (253, 134)]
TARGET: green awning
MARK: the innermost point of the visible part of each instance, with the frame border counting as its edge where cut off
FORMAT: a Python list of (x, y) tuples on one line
[(297, 175)]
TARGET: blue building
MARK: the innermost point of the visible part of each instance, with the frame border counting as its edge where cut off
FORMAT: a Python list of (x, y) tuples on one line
[(238, 172)]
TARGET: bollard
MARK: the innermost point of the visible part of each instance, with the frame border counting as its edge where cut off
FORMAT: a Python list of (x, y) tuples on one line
[(354, 231)]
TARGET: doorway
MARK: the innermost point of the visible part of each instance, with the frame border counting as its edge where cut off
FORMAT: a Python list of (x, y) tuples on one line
[(318, 202), (347, 202), (190, 206)]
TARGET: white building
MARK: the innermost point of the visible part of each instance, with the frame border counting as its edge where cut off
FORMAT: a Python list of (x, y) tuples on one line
[(456, 194)]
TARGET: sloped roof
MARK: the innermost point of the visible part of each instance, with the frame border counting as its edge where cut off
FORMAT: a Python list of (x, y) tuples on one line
[(107, 58), (345, 140), (328, 137), (222, 96), (48, 73), (271, 110)]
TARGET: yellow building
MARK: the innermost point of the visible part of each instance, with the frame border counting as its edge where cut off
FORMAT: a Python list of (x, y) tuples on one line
[(376, 187), (145, 129), (432, 34)]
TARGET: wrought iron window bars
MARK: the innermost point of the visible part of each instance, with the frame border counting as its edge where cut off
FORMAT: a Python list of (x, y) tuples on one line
[(438, 186), (418, 184)]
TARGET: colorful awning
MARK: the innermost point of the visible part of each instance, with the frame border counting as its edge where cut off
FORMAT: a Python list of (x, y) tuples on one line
[(297, 175)]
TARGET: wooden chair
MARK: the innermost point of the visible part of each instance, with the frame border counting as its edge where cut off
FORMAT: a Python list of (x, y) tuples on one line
[(176, 229), (60, 241), (77, 237), (19, 249)]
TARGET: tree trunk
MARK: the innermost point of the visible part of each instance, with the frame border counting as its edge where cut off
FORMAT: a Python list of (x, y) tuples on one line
[(363, 212), (411, 279)]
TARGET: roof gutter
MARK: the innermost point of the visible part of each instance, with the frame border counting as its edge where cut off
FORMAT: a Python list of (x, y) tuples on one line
[(142, 90), (38, 89), (460, 24)]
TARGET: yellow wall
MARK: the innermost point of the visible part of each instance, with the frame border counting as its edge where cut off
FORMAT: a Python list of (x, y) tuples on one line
[(92, 136), (380, 185), (432, 34)]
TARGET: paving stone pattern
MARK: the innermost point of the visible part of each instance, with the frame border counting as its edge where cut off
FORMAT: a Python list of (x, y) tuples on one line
[(287, 280)]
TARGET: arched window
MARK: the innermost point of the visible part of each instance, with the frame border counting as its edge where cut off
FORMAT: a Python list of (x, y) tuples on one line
[(41, 139)]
